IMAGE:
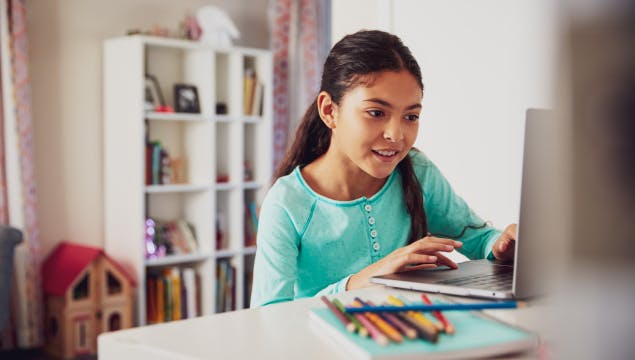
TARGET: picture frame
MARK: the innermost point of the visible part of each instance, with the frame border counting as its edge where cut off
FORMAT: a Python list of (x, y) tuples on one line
[(186, 99), (153, 97)]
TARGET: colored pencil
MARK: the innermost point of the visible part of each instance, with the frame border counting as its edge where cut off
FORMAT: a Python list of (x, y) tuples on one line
[(397, 323), (350, 327), (447, 326), (381, 324), (361, 330), (420, 316), (437, 307), (416, 314), (373, 331), (431, 331), (424, 332)]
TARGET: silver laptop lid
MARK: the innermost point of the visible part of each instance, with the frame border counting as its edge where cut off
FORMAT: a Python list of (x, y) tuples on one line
[(541, 214)]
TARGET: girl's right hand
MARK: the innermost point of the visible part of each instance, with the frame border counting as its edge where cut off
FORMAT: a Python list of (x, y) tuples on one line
[(421, 254)]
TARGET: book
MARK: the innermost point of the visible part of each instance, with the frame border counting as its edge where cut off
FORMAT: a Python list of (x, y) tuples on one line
[(175, 279), (256, 103), (160, 296), (151, 296), (250, 224), (249, 86), (189, 284), (476, 336), (188, 234)]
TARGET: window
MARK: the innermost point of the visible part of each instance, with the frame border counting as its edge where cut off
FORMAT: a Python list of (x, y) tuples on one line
[(113, 283), (81, 289), (82, 335)]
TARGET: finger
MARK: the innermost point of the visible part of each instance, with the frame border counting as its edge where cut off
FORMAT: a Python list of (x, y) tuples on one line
[(442, 241), (416, 259), (435, 240), (444, 260), (504, 243), (432, 248), (418, 267), (511, 231)]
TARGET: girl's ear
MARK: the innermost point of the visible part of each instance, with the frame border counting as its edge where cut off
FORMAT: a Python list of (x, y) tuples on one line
[(327, 109)]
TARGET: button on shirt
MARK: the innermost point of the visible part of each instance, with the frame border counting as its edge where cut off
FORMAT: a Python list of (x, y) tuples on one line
[(310, 245)]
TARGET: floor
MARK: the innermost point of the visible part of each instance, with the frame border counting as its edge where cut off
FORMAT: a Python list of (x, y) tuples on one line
[(36, 354)]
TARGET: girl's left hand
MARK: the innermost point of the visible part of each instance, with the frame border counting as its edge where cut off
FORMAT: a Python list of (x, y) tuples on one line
[(503, 248)]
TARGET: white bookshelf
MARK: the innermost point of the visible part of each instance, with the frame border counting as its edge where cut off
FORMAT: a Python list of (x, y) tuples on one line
[(232, 144)]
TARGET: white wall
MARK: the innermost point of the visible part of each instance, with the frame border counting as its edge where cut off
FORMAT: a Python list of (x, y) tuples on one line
[(483, 63), (65, 48)]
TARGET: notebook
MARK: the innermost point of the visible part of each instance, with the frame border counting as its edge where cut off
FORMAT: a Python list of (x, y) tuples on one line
[(476, 336), (495, 279)]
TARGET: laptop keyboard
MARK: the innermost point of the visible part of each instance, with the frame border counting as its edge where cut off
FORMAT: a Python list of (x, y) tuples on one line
[(499, 281)]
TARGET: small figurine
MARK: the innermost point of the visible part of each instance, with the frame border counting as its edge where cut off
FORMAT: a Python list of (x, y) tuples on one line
[(217, 27)]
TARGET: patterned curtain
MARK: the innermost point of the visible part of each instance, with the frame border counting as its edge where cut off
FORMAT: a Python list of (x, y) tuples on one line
[(300, 40), (18, 203)]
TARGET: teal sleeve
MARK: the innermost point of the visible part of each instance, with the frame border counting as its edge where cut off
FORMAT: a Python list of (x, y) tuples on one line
[(448, 215), (275, 266), (280, 230), (336, 288)]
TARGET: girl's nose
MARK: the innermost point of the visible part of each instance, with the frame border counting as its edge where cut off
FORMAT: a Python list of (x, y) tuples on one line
[(393, 131)]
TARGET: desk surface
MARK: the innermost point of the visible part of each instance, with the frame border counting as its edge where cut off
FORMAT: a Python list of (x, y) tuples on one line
[(279, 331)]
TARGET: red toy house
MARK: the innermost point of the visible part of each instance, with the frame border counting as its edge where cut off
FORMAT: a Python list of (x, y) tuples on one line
[(86, 293)]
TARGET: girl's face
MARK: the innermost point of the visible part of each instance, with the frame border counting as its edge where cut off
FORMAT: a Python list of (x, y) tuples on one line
[(376, 123)]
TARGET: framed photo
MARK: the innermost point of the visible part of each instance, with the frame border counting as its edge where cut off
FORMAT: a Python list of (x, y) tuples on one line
[(153, 97), (186, 98)]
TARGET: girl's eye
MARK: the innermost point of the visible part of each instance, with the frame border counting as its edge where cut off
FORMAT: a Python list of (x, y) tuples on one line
[(375, 113), (412, 117)]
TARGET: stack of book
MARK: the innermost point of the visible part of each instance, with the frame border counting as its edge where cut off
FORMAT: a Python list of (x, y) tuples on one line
[(172, 294), (159, 167), (253, 91)]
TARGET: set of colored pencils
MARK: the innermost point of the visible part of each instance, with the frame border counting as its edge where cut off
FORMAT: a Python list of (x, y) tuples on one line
[(394, 326), (395, 320)]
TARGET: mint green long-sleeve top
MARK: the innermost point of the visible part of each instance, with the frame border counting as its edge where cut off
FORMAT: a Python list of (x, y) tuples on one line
[(310, 245)]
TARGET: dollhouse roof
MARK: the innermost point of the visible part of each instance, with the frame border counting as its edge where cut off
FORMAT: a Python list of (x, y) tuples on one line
[(67, 262)]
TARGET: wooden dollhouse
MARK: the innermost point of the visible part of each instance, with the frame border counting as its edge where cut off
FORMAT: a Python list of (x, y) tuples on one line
[(86, 293)]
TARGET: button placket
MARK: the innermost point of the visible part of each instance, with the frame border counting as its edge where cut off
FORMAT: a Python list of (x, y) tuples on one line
[(372, 231)]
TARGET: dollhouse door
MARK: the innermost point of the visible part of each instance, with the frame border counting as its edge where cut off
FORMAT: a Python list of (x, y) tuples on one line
[(82, 335), (112, 321)]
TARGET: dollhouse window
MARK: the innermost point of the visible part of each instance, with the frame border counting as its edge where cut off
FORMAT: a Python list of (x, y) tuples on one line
[(114, 285), (82, 335), (81, 289)]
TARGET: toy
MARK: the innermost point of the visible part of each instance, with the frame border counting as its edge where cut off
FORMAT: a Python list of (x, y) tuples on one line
[(86, 293), (217, 28)]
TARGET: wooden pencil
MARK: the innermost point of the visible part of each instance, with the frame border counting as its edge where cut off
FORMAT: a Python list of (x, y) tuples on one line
[(393, 320), (447, 326), (431, 330), (417, 314), (373, 331), (350, 327), (381, 324), (361, 330), (426, 333)]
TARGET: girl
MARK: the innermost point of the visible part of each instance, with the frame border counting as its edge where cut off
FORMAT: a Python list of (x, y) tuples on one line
[(352, 199)]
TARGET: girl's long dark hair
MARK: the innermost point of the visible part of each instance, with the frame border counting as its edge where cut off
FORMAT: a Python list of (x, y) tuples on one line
[(349, 62)]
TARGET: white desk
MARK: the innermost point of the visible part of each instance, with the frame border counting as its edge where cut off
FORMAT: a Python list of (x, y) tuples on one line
[(279, 331)]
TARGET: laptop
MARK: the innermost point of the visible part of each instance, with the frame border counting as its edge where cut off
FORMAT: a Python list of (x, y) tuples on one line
[(519, 279)]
